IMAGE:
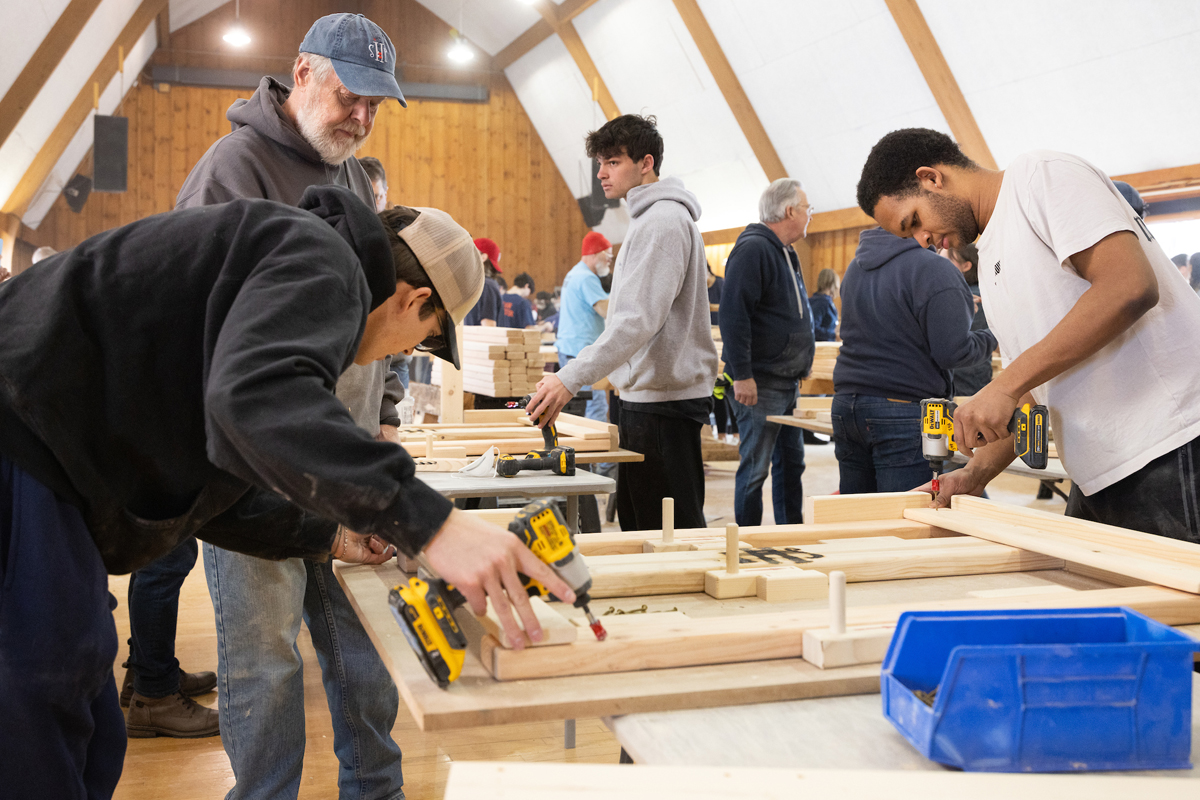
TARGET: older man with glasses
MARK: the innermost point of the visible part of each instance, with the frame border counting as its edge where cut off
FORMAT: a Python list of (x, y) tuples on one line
[(767, 334)]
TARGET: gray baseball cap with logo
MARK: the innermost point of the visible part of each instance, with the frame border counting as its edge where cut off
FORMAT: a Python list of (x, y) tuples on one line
[(362, 54)]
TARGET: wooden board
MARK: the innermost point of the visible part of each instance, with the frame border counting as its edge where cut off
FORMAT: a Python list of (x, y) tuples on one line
[(477, 699), (859, 507), (679, 572), (755, 637), (556, 629), (596, 544), (1123, 561), (530, 781)]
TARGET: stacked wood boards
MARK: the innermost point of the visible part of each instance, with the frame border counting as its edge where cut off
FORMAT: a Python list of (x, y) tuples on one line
[(498, 362), (466, 439)]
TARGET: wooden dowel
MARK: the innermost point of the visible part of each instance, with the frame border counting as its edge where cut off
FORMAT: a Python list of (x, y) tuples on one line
[(668, 520), (837, 602), (732, 553), (429, 444)]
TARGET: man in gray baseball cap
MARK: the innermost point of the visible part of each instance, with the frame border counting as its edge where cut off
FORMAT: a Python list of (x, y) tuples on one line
[(362, 54)]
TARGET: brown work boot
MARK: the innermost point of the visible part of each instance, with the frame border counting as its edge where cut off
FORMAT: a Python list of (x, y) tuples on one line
[(174, 715), (191, 684)]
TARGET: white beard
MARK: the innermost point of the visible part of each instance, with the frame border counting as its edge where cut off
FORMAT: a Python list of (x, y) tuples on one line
[(324, 139)]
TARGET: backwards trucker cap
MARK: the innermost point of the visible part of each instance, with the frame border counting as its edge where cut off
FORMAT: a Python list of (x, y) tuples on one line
[(362, 54), (453, 265)]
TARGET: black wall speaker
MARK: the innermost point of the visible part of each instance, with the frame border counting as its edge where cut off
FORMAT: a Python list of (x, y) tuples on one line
[(111, 154), (77, 191)]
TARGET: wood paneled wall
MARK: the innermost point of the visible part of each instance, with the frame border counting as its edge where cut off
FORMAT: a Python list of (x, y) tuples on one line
[(830, 250), (481, 162), (277, 27)]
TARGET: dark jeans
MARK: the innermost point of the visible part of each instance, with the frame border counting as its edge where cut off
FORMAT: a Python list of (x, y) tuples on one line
[(153, 613), (767, 445), (674, 467), (61, 730), (1160, 498), (878, 444)]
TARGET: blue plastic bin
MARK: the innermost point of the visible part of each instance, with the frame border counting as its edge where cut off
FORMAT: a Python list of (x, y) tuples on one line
[(1056, 690)]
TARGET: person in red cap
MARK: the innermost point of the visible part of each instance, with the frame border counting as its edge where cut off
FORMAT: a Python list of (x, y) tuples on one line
[(489, 308), (584, 306)]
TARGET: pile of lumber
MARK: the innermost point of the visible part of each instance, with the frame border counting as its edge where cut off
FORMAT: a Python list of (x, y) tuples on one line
[(508, 430), (498, 362)]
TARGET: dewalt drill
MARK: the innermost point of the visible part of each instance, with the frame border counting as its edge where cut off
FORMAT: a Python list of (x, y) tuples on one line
[(1029, 424), (555, 457), (424, 608)]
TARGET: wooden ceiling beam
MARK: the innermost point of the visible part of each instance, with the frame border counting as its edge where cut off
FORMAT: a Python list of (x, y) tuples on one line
[(540, 32), (77, 114), (940, 79), (731, 88), (563, 26), (42, 64), (1163, 181)]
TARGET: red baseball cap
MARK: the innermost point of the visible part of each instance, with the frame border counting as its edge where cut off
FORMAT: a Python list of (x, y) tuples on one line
[(491, 250), (595, 243)]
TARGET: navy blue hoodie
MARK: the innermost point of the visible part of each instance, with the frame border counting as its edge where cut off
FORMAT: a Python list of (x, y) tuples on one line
[(906, 322), (766, 323)]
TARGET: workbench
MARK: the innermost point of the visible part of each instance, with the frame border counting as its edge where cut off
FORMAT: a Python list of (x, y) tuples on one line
[(824, 733), (529, 485)]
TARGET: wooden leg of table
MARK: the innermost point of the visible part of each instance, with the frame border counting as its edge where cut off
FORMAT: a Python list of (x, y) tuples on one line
[(573, 514), (668, 520)]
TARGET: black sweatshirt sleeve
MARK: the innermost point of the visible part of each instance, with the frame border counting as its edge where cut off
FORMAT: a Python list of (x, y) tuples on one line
[(272, 417), (947, 318)]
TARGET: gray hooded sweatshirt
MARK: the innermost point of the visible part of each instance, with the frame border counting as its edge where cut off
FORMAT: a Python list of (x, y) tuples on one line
[(266, 157), (657, 343)]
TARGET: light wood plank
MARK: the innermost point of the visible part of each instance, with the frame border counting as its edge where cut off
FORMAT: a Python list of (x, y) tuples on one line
[(1157, 571), (861, 507), (469, 781)]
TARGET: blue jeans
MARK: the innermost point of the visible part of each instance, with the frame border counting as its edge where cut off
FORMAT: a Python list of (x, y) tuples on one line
[(767, 446), (878, 444), (597, 409), (401, 365), (153, 613), (61, 730), (258, 606)]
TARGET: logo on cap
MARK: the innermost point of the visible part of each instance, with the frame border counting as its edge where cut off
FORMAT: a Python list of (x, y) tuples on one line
[(378, 50)]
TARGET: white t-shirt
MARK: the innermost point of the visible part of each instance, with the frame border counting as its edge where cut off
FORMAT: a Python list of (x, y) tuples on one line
[(1138, 397)]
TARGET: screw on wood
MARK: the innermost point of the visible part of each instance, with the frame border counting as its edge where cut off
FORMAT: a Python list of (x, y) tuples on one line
[(668, 520), (837, 602), (732, 554)]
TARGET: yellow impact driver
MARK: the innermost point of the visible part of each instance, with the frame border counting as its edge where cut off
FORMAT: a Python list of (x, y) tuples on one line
[(1029, 424)]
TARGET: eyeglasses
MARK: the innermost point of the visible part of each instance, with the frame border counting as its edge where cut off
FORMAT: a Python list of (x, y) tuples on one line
[(809, 207), (431, 344)]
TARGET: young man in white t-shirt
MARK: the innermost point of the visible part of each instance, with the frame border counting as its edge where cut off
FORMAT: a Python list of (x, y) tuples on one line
[(1092, 318)]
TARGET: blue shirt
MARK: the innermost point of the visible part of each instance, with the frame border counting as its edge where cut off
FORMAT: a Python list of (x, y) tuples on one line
[(514, 312), (487, 307), (578, 323)]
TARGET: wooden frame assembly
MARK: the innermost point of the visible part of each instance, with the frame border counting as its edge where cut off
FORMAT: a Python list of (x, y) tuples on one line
[(708, 651)]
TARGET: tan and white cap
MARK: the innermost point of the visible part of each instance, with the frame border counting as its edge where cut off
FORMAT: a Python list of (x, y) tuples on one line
[(450, 259)]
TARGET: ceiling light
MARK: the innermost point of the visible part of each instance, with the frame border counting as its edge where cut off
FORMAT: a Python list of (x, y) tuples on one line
[(460, 52), (237, 35)]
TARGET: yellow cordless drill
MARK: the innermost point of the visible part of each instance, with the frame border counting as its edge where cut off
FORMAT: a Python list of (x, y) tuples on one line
[(424, 608), (557, 458), (1029, 424)]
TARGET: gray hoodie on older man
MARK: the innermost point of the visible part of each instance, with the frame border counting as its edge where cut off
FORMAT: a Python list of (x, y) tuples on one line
[(266, 156), (657, 343)]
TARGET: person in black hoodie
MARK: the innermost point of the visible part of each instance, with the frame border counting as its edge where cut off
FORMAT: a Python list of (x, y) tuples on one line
[(767, 335), (906, 323), (210, 341)]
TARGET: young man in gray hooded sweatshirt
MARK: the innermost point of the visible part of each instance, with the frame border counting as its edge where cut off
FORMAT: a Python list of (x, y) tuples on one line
[(657, 346), (283, 141)]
